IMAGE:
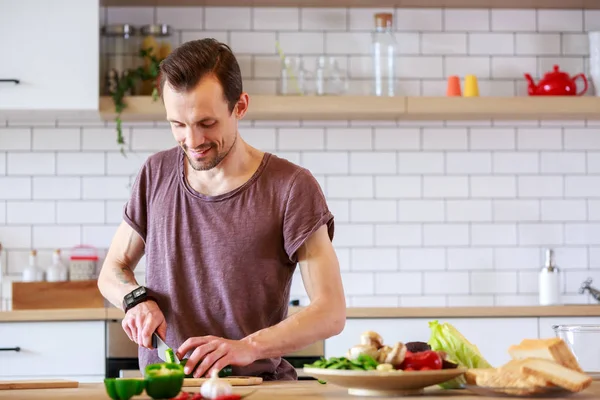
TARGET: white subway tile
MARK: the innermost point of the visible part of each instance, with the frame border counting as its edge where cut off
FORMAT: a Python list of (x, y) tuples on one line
[(420, 163), (263, 86), (51, 188), (56, 139), (542, 234), (418, 67), (350, 187), (300, 43), (493, 282), (468, 65), (245, 63), (375, 301), (358, 283), (323, 18), (516, 258), (373, 211), (16, 237), (513, 67), (447, 283), (445, 186), (398, 235), (301, 139), (114, 211), (31, 164), (227, 18), (266, 67), (516, 300), (582, 186), (280, 18), (82, 212), (560, 20), (468, 163), (423, 301), (397, 187), (444, 43), (563, 163), (446, 234), (493, 186), (321, 181), (491, 43), (398, 283), (354, 235), (470, 259), (594, 257), (571, 64), (326, 162), (425, 259), (152, 139), (106, 188), (419, 19), (421, 211), (581, 233), (593, 162), (130, 164), (592, 20), (570, 257), (513, 20), (349, 139), (130, 15), (496, 88), (468, 210), (2, 218), (348, 42), (373, 163), (574, 279), (259, 43), (408, 43), (377, 259), (221, 36), (514, 163), (99, 236), (540, 186), (12, 188), (102, 139), (340, 210), (539, 139), (2, 163), (432, 88), (52, 237), (470, 301), (516, 210), (261, 138), (492, 139), (81, 163), (498, 234), (529, 44), (445, 139), (363, 19), (582, 138), (30, 212), (181, 17), (466, 20), (397, 139)]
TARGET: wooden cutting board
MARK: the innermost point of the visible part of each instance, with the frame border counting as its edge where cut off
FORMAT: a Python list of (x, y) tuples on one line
[(38, 384), (233, 381)]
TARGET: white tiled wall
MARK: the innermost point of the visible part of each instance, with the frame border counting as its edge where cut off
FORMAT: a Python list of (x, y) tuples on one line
[(431, 213)]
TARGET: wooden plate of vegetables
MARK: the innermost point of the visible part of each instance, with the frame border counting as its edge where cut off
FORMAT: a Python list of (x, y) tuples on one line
[(374, 369)]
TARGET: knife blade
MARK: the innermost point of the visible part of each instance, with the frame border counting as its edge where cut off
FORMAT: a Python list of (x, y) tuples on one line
[(161, 347)]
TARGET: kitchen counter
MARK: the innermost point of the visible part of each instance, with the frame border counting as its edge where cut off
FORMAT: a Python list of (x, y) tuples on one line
[(575, 310), (301, 390)]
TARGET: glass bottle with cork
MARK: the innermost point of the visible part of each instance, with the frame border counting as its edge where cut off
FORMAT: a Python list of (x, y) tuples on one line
[(384, 54)]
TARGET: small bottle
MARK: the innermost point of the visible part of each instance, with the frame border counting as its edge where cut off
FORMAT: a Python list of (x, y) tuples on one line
[(384, 56), (57, 272), (33, 273), (549, 290)]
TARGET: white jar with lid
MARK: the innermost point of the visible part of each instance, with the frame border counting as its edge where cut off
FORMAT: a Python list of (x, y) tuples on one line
[(549, 282), (57, 272)]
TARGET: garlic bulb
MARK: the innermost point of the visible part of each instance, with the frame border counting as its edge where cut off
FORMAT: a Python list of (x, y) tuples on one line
[(215, 387)]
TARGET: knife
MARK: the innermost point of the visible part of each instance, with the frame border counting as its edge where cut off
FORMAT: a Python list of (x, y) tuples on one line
[(161, 348)]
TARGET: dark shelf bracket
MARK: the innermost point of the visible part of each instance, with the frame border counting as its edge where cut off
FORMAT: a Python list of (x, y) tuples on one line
[(15, 81), (10, 349)]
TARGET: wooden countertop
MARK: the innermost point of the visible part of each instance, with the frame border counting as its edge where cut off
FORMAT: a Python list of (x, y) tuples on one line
[(97, 314), (300, 390)]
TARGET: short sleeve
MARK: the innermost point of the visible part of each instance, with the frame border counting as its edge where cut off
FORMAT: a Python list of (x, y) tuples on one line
[(306, 211), (135, 212)]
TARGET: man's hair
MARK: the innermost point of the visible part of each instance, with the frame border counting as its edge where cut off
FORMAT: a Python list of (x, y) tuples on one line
[(193, 60)]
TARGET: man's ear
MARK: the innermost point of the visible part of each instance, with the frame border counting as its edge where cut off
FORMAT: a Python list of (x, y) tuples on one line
[(241, 107)]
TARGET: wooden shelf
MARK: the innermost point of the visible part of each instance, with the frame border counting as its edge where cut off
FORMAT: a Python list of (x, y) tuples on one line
[(570, 4), (265, 107)]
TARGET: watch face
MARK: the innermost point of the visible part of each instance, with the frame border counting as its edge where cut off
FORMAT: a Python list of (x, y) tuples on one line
[(138, 292)]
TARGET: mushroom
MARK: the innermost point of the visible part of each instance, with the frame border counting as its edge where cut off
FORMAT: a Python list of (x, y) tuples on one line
[(396, 356), (359, 349), (383, 353), (372, 338), (385, 367)]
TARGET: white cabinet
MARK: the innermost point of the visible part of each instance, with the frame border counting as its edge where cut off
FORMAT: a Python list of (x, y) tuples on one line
[(492, 336), (67, 350), (52, 48)]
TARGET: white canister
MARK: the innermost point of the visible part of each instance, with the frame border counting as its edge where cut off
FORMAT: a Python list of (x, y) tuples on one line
[(549, 282)]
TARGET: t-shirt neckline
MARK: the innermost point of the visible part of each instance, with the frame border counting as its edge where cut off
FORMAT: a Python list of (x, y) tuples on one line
[(223, 196)]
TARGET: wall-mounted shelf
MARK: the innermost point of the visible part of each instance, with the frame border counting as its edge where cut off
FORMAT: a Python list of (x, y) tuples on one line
[(266, 107), (577, 4)]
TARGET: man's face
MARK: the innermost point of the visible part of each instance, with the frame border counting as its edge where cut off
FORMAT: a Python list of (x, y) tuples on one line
[(201, 122)]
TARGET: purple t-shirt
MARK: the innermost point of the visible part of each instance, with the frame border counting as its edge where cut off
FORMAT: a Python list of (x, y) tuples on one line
[(222, 265)]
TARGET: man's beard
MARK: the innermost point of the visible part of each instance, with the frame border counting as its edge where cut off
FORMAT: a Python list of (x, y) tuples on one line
[(207, 163)]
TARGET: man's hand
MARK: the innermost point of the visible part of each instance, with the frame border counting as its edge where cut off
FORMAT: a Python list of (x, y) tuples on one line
[(215, 353), (142, 320)]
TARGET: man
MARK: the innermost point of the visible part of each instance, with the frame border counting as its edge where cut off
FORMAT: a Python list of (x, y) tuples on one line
[(223, 226)]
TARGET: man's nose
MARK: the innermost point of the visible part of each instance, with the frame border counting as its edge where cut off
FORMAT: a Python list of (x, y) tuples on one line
[(194, 138)]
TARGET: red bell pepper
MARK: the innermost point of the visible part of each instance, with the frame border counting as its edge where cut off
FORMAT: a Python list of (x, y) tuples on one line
[(421, 361)]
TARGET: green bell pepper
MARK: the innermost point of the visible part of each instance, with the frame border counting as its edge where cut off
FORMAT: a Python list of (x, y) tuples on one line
[(225, 372), (164, 380), (123, 389)]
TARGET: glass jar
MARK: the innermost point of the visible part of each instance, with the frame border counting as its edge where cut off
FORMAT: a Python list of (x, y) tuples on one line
[(157, 41), (119, 54), (384, 54)]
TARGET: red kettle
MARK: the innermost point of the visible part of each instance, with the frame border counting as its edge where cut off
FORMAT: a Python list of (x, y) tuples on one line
[(556, 83)]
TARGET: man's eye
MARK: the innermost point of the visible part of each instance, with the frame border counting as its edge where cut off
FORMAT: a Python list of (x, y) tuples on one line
[(208, 124), (177, 124)]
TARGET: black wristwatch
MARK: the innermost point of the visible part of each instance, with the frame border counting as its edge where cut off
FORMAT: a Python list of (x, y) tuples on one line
[(135, 297)]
